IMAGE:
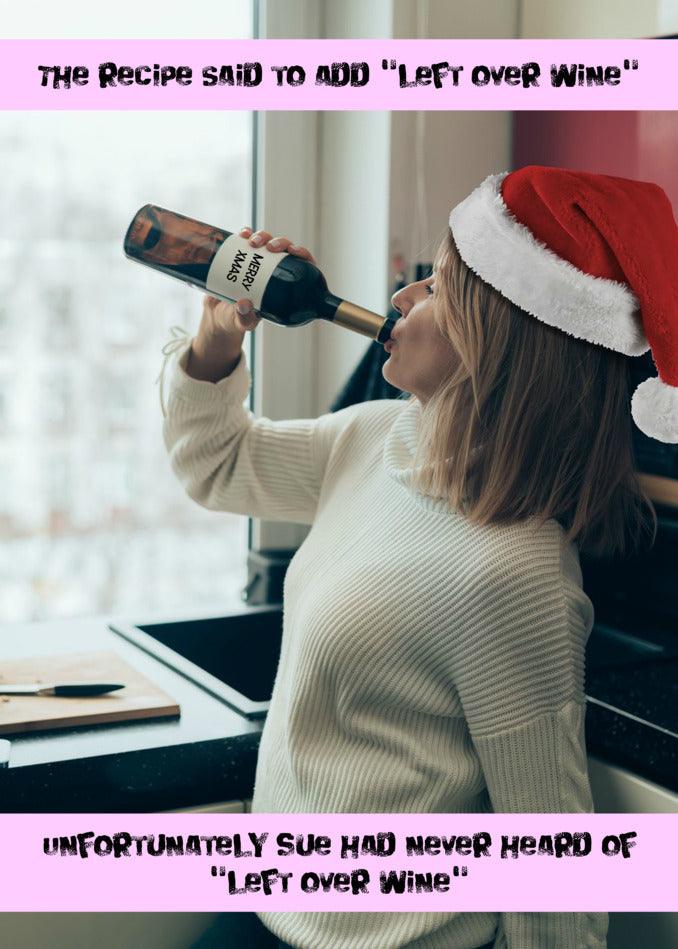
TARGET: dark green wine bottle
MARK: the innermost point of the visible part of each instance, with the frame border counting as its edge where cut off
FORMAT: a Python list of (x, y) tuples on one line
[(283, 288)]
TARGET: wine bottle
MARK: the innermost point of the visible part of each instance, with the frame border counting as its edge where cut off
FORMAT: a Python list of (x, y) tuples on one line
[(283, 288)]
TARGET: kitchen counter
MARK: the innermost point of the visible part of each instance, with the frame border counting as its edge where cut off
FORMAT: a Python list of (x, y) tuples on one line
[(632, 719), (209, 753), (632, 692)]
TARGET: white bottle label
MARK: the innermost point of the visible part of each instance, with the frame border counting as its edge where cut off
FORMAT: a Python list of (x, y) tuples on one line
[(240, 271)]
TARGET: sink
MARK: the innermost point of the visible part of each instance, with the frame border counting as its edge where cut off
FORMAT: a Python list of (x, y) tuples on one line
[(234, 657)]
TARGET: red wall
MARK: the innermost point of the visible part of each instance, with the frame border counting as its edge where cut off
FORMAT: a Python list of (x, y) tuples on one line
[(642, 145)]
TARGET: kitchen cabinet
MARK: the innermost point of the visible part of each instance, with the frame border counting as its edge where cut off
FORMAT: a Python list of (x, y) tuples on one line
[(618, 791)]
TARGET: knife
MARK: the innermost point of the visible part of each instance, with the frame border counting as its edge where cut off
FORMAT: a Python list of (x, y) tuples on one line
[(75, 689)]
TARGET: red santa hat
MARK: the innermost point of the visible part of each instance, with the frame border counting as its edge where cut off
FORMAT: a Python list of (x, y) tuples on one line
[(592, 255)]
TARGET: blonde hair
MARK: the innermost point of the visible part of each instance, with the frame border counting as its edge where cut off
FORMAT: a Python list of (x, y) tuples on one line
[(530, 422)]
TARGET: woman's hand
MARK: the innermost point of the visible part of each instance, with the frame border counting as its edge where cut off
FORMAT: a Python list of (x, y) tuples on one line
[(276, 244), (215, 352), (240, 317)]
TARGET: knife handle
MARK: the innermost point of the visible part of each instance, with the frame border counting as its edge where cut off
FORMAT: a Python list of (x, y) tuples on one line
[(84, 689)]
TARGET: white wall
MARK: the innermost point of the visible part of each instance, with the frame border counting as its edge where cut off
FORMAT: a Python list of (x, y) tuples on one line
[(375, 167), (604, 19), (353, 233), (438, 157), (353, 205), (458, 150), (455, 19), (357, 18), (82, 19)]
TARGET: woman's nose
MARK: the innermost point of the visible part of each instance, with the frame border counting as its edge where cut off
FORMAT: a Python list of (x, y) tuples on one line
[(399, 301)]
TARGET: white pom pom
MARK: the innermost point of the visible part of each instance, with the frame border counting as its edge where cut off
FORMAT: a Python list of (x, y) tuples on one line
[(654, 408)]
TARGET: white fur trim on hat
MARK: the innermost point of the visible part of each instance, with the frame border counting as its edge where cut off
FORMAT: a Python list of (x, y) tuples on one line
[(505, 254), (654, 407)]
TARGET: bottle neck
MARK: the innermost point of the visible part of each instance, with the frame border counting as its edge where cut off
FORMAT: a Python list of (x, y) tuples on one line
[(329, 304), (355, 318)]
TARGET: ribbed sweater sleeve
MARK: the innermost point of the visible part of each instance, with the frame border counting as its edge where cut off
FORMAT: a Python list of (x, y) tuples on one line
[(229, 460), (520, 679)]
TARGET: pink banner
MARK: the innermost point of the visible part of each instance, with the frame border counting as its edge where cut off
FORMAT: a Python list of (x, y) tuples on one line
[(338, 74), (339, 862)]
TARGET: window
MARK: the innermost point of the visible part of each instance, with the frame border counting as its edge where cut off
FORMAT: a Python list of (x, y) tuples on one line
[(92, 520)]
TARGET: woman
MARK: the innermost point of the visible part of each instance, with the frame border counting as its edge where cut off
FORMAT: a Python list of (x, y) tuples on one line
[(434, 619)]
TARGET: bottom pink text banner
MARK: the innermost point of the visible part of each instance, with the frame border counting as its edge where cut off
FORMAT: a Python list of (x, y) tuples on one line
[(339, 862)]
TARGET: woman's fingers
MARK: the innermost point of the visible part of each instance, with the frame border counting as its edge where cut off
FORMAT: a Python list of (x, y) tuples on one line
[(209, 305), (241, 314), (259, 238), (284, 244), (300, 251), (279, 244), (262, 238), (225, 314), (246, 315)]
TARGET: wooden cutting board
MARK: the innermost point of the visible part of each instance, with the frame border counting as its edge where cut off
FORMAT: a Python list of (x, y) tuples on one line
[(28, 713)]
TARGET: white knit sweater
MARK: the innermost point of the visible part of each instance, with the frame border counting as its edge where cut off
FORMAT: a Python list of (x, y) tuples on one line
[(427, 666)]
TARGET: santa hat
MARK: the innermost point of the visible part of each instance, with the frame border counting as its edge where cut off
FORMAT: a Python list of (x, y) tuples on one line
[(592, 255)]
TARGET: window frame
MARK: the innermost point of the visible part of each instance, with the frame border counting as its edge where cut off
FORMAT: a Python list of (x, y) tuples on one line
[(285, 200)]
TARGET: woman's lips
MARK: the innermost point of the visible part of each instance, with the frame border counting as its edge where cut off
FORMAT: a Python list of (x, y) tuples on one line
[(390, 343)]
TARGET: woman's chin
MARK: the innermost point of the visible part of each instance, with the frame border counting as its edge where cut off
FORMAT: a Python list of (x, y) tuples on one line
[(391, 375)]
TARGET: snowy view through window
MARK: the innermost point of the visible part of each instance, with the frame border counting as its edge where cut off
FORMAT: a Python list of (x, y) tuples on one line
[(92, 520)]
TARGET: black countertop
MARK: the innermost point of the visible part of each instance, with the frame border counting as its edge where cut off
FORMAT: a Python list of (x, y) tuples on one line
[(209, 753), (632, 718)]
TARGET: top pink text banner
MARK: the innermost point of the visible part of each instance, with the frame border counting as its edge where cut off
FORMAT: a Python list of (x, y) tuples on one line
[(338, 74)]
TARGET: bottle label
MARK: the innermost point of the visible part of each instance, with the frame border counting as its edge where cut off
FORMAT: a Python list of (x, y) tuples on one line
[(239, 271)]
